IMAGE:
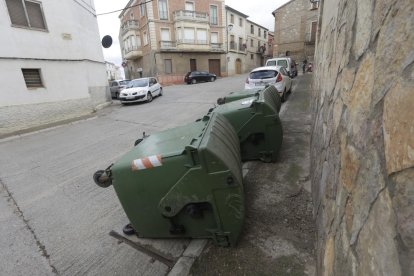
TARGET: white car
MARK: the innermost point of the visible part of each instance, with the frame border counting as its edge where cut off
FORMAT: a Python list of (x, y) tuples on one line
[(140, 90), (270, 75)]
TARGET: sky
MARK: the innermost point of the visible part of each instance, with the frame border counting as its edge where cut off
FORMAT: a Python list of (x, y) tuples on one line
[(259, 11)]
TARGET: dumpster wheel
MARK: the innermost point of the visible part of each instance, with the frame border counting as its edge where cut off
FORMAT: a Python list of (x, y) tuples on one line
[(128, 229), (102, 179)]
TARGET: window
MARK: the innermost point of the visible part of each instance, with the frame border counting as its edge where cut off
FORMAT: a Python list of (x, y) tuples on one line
[(32, 78), (263, 74), (314, 5), (168, 66), (214, 38), (138, 39), (142, 8), (26, 13), (241, 22), (259, 31), (145, 38), (251, 29), (201, 36), (213, 15), (162, 9), (231, 18), (165, 35), (251, 43), (264, 34), (189, 35), (131, 15), (189, 6), (251, 56)]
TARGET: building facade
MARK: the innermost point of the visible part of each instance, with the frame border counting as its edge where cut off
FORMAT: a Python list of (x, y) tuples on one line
[(168, 38), (246, 43), (295, 29), (113, 72), (52, 66), (256, 44)]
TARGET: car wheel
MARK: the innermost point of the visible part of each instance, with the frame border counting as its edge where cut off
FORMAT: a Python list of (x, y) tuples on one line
[(160, 92), (149, 97), (212, 79), (284, 96), (128, 229), (193, 81)]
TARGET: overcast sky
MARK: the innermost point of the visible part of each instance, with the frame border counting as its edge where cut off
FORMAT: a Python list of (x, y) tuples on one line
[(259, 11)]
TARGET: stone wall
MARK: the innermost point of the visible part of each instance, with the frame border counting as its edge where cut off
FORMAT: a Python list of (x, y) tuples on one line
[(362, 145)]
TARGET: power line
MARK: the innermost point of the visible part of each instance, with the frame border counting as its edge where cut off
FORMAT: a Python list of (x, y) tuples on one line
[(142, 3)]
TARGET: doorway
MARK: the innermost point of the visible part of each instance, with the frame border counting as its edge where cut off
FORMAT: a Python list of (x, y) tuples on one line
[(193, 64), (238, 66), (214, 67)]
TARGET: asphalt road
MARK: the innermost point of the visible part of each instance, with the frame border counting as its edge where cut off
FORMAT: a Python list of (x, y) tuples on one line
[(54, 219)]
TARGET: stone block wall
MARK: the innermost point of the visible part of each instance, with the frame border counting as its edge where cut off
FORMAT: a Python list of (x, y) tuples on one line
[(362, 145)]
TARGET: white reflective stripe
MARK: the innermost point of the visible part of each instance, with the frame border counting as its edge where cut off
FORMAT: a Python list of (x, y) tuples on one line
[(155, 160), (138, 164)]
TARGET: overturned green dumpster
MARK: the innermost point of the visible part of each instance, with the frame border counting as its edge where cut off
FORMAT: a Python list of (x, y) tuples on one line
[(257, 123), (183, 182), (269, 92)]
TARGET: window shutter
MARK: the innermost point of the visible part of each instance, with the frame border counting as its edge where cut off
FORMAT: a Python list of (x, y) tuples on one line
[(34, 11), (16, 12)]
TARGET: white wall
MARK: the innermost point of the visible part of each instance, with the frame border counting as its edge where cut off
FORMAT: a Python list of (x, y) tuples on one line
[(69, 55)]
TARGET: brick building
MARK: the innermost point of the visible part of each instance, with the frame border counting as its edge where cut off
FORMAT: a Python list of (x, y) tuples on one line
[(295, 29), (168, 38)]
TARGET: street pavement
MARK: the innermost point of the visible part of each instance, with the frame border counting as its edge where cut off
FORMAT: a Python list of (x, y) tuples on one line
[(54, 220)]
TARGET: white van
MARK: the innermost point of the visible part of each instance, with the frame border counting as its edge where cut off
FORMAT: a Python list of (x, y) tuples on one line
[(286, 62)]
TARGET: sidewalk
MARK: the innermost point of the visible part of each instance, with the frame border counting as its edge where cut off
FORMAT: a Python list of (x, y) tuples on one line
[(279, 230)]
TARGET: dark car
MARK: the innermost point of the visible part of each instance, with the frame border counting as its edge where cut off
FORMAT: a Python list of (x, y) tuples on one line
[(199, 76)]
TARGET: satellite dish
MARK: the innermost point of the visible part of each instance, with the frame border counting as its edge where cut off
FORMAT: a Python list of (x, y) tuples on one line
[(107, 41)]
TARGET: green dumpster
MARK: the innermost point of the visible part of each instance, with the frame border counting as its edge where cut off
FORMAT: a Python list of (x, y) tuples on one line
[(257, 124), (183, 182), (270, 92)]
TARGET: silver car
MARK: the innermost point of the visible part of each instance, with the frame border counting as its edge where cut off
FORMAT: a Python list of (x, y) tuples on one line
[(117, 86), (141, 90)]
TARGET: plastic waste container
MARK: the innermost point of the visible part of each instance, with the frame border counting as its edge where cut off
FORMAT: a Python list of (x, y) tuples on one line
[(269, 91), (183, 182), (257, 124)]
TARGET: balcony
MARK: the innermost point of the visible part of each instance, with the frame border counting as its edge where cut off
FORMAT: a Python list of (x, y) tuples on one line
[(233, 46), (165, 45), (191, 16), (129, 25), (133, 52), (217, 47)]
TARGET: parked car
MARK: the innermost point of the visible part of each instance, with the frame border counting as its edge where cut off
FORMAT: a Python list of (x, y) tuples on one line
[(286, 62), (117, 86), (270, 75), (199, 76), (140, 90)]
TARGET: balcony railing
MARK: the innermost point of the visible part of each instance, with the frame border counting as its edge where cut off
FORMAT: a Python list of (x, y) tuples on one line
[(233, 45), (129, 25), (192, 41), (242, 47), (216, 46), (191, 15), (167, 44), (132, 52)]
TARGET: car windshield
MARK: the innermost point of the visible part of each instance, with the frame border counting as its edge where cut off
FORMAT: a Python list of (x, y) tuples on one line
[(271, 63), (263, 74), (282, 63), (124, 82), (138, 83)]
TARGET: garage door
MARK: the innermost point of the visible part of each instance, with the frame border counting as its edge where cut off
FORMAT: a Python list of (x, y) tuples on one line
[(214, 66)]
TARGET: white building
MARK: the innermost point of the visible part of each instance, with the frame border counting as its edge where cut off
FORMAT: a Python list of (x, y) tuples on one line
[(51, 62), (246, 43), (113, 72), (236, 37)]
